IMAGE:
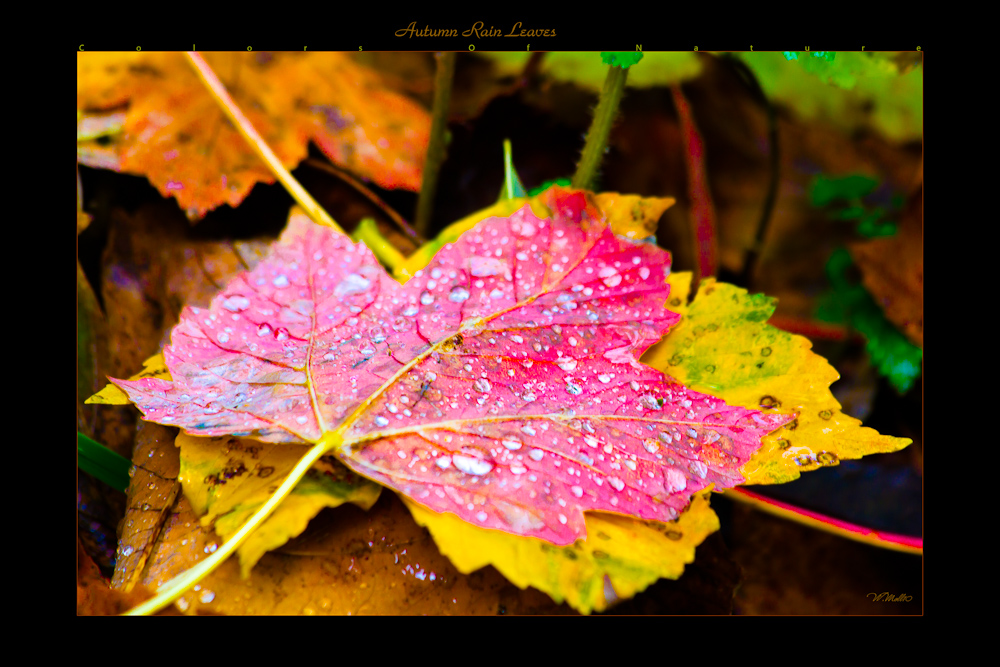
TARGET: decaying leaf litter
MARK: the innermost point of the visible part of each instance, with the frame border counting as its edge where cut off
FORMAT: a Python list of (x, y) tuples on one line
[(756, 406)]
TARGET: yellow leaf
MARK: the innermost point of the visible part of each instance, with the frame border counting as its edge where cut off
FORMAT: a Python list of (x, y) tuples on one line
[(82, 221), (154, 367), (631, 554), (725, 347), (227, 479), (633, 216)]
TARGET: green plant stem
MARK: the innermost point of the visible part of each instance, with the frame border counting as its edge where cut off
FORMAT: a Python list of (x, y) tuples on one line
[(600, 128), (312, 208), (368, 232), (436, 147)]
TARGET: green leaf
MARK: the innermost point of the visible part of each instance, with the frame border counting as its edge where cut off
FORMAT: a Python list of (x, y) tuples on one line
[(825, 190), (368, 232), (724, 346), (585, 69), (881, 92), (512, 186), (621, 58), (892, 354), (833, 192), (871, 225), (97, 460), (845, 70), (563, 182)]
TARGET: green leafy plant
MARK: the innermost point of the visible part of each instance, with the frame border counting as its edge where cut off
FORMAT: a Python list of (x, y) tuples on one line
[(892, 354), (851, 90), (848, 302)]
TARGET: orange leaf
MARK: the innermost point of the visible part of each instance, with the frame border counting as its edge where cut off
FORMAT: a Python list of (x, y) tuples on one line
[(176, 136)]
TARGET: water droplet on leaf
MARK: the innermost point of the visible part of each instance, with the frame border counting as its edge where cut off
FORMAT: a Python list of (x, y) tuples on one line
[(649, 402), (567, 364), (486, 266), (512, 443), (471, 465), (236, 303)]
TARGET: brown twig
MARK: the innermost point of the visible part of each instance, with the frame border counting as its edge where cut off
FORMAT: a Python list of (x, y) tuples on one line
[(389, 211), (774, 163), (531, 68), (436, 148)]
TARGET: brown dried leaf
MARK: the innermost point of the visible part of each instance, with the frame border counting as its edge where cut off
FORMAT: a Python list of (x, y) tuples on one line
[(349, 562), (893, 271), (151, 497), (95, 598)]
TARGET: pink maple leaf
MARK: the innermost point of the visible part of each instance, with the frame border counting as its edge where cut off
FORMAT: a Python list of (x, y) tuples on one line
[(501, 383)]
